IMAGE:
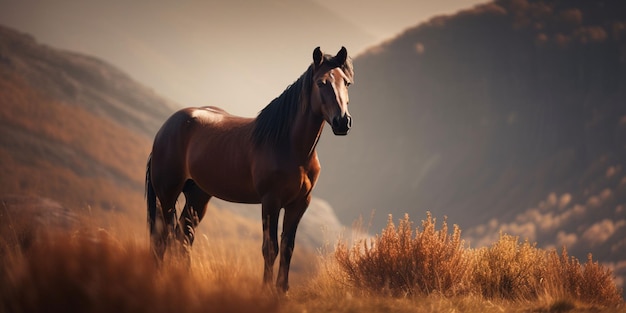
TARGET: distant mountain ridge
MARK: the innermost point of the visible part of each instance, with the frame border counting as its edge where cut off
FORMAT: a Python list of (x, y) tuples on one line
[(84, 81)]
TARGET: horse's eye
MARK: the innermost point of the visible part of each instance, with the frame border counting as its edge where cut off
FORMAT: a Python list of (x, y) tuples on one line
[(320, 83), (347, 83)]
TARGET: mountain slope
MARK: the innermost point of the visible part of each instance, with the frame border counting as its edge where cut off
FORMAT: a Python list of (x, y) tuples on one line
[(72, 128), (508, 116)]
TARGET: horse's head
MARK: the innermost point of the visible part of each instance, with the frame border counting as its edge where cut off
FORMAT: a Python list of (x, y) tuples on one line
[(329, 97)]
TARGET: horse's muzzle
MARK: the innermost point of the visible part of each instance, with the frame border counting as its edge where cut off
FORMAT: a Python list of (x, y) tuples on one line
[(341, 125)]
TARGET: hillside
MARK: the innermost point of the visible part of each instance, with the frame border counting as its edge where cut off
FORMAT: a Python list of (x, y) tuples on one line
[(509, 116), (73, 128)]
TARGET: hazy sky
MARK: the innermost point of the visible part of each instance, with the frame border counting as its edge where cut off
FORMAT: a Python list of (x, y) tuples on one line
[(237, 54)]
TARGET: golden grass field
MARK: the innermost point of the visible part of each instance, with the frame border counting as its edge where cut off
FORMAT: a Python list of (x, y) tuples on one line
[(104, 265)]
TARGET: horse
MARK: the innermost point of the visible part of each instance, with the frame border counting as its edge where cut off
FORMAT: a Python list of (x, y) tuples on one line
[(205, 152)]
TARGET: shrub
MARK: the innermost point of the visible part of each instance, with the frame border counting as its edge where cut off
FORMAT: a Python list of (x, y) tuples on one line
[(403, 262), (590, 283), (508, 269)]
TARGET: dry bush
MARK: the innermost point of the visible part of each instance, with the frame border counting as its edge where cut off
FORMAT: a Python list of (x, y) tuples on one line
[(514, 270), (508, 269), (403, 262), (589, 283)]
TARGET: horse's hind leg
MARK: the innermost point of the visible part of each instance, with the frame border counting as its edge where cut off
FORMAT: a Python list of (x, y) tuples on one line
[(164, 226), (195, 208), (166, 217)]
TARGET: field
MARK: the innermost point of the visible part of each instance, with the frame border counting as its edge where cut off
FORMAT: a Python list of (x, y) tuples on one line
[(102, 264)]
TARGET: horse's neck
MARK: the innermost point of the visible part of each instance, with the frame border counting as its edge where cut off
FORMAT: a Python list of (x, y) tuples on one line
[(306, 133)]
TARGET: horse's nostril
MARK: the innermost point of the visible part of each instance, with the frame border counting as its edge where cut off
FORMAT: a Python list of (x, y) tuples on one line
[(336, 122)]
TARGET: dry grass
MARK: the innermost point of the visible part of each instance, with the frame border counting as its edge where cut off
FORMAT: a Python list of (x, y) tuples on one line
[(512, 270), (430, 262), (94, 269)]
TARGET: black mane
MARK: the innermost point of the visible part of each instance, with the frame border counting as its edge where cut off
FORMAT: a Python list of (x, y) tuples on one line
[(273, 124)]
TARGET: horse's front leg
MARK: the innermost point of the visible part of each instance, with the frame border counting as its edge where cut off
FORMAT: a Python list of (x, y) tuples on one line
[(293, 214), (270, 210)]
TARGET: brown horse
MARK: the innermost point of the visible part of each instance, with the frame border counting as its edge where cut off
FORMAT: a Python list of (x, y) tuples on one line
[(206, 152)]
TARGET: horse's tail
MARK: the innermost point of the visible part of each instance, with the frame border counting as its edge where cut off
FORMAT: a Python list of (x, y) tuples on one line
[(151, 199)]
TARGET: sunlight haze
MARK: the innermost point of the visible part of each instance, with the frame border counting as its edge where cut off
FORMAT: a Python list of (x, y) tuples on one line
[(238, 55)]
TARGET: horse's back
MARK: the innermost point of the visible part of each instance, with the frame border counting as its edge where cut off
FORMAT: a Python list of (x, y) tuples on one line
[(188, 120), (189, 126), (212, 147)]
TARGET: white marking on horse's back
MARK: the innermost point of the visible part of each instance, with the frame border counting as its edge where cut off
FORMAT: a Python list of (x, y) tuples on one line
[(208, 114)]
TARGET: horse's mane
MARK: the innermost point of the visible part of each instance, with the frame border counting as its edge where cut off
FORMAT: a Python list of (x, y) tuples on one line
[(273, 124)]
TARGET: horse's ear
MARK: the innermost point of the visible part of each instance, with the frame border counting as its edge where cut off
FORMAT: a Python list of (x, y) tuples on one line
[(342, 56), (318, 57)]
